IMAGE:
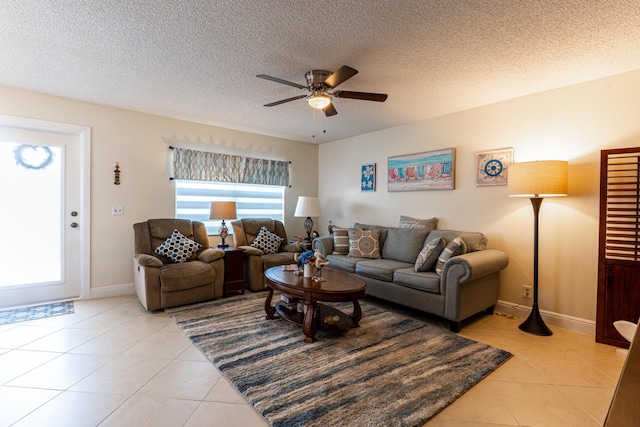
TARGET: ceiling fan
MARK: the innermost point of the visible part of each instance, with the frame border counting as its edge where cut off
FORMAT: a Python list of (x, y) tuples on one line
[(319, 85)]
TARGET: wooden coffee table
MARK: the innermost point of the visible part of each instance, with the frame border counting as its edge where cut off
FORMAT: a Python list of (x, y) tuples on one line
[(338, 287)]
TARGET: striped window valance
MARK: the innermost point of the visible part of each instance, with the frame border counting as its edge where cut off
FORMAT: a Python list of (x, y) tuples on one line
[(194, 165)]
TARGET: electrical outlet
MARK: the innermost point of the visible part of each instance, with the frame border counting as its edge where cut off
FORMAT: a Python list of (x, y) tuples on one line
[(526, 291), (117, 210)]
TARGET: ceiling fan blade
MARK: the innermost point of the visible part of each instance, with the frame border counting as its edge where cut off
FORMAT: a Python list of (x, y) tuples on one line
[(282, 101), (330, 110), (343, 74), (366, 96), (277, 80)]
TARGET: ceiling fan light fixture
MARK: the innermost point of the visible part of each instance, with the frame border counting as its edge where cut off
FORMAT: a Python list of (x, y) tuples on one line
[(319, 99)]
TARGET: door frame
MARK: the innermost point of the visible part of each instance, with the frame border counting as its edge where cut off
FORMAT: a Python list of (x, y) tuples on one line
[(83, 133)]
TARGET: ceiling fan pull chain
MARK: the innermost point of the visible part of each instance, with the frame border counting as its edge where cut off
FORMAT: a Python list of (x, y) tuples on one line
[(313, 111)]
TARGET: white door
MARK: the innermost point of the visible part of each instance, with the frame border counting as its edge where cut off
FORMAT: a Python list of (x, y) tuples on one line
[(44, 251)]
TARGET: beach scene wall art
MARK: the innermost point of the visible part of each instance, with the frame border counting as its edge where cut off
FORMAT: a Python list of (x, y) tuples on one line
[(430, 170)]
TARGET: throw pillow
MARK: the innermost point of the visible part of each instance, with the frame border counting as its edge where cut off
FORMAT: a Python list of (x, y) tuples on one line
[(340, 241), (364, 243), (178, 247), (266, 241), (454, 248), (429, 255), (420, 224)]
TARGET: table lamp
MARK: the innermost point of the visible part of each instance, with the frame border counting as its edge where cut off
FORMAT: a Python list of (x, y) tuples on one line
[(537, 180), (308, 207), (223, 210)]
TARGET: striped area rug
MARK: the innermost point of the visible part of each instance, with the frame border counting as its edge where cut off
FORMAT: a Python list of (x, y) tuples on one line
[(391, 371)]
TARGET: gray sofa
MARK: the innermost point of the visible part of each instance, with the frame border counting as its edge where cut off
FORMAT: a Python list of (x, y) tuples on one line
[(468, 283)]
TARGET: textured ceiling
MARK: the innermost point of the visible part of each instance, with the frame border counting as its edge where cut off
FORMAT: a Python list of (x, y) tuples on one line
[(197, 60)]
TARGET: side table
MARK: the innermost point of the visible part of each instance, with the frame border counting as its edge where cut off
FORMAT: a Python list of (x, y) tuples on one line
[(233, 270)]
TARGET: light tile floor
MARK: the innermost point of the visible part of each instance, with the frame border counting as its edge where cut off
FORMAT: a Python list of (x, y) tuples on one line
[(113, 364)]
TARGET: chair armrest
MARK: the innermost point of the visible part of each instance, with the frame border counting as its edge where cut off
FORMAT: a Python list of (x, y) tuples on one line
[(250, 250), (148, 260), (210, 255), (474, 265), (291, 247), (323, 244)]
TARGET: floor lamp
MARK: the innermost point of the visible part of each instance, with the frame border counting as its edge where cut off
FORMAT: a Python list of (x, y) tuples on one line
[(308, 207), (537, 180)]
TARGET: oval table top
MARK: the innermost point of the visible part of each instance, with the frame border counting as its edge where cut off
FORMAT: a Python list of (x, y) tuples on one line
[(338, 286)]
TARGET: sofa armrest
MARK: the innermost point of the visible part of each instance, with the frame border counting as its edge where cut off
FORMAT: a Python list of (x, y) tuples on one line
[(474, 265), (148, 260), (250, 250), (210, 255), (323, 244)]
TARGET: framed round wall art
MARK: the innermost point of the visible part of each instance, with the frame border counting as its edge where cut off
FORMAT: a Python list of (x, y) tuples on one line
[(493, 167)]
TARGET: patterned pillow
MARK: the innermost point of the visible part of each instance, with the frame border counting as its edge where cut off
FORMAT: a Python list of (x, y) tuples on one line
[(364, 243), (429, 255), (178, 247), (454, 248), (340, 241), (266, 241)]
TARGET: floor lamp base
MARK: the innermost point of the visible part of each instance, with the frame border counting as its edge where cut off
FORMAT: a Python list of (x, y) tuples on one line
[(534, 323)]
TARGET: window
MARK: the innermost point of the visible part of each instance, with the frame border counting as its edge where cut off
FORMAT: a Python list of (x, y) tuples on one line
[(193, 201)]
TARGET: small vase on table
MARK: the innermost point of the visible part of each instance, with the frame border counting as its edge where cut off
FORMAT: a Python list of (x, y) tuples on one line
[(308, 270)]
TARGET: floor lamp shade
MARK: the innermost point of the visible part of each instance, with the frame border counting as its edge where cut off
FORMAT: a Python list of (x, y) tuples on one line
[(546, 178), (308, 207), (536, 180), (223, 210)]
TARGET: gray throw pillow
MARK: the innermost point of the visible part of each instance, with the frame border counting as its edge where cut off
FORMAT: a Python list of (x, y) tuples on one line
[(454, 248), (429, 255), (419, 224), (340, 241)]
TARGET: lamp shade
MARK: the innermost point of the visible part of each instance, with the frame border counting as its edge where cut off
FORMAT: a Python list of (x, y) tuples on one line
[(308, 207), (223, 210), (545, 178)]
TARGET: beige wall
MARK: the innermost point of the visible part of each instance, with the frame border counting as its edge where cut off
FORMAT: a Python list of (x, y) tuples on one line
[(572, 123), (139, 142)]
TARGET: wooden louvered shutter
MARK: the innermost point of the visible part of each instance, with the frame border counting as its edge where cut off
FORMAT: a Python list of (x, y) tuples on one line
[(619, 249)]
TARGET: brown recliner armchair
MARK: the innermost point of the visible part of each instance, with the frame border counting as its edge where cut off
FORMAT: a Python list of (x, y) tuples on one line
[(255, 260), (161, 282)]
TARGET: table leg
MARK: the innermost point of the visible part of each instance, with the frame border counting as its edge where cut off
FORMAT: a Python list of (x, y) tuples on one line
[(309, 327), (267, 305), (357, 313)]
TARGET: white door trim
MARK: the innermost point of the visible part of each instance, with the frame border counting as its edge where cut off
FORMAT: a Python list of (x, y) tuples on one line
[(84, 134)]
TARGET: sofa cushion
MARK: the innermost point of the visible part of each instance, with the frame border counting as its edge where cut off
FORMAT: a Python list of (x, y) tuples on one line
[(403, 244), (364, 243), (178, 277), (454, 248), (426, 281), (344, 262), (381, 269), (425, 225), (475, 241), (340, 241), (178, 247), (266, 241), (429, 254)]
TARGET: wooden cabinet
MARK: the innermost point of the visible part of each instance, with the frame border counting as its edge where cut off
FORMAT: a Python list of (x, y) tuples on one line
[(233, 271), (619, 249)]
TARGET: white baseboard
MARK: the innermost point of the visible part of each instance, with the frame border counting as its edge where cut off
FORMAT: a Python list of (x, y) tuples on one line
[(575, 324), (112, 291)]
